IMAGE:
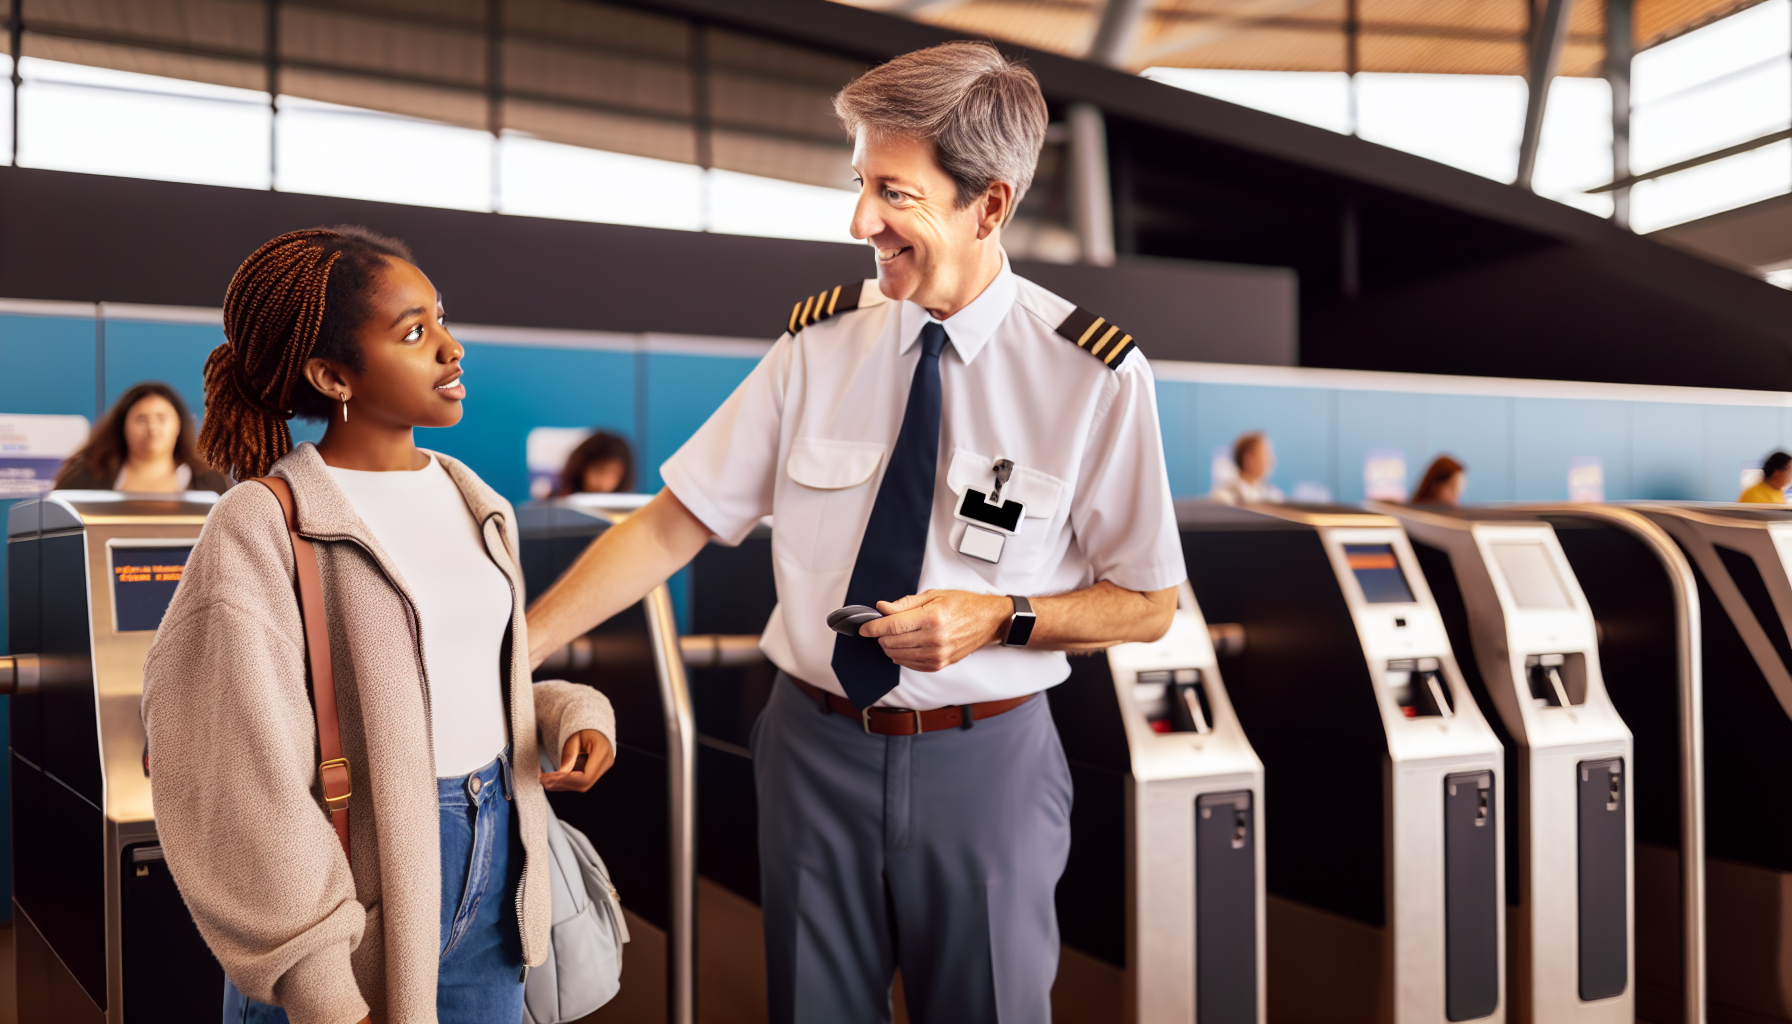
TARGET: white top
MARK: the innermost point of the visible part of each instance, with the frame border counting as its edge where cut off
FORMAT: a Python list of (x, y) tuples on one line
[(1239, 491), (463, 603), (806, 437)]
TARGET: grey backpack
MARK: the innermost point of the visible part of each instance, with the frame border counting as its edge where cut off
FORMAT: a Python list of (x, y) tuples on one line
[(584, 966)]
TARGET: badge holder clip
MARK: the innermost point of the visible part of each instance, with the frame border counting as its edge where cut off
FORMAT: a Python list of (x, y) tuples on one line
[(989, 521)]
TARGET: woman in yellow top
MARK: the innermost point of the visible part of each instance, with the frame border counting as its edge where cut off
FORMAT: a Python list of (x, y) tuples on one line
[(1776, 475)]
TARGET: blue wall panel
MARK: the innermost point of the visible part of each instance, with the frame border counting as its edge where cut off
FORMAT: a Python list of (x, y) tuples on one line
[(47, 365), (1299, 422), (1377, 419), (681, 392), (1476, 430), (174, 354), (1549, 431), (1182, 455), (511, 390), (1667, 444)]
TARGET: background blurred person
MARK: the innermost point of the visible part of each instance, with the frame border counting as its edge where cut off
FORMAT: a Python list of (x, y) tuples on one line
[(1776, 475), (602, 464), (1255, 458), (1442, 483), (144, 443)]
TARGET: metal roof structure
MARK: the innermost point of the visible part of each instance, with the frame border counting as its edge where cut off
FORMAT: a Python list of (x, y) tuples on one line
[(1465, 37)]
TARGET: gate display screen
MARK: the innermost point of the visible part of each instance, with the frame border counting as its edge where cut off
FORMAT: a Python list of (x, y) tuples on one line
[(1377, 571), (143, 582)]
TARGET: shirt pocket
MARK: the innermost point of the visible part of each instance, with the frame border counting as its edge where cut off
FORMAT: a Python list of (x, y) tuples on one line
[(819, 520), (1040, 492)]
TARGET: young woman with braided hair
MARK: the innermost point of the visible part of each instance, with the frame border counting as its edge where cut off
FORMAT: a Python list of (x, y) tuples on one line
[(442, 896)]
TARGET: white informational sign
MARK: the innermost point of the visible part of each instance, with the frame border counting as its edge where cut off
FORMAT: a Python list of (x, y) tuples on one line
[(1220, 467), (548, 448), (32, 449), (1310, 492), (1586, 479), (1384, 474)]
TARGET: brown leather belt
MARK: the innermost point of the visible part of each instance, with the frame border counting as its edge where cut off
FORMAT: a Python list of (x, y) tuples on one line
[(907, 722)]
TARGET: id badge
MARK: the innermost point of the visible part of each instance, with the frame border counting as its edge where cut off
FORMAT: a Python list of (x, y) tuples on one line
[(989, 520)]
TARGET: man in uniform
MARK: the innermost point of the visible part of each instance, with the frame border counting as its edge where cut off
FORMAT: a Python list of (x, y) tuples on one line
[(978, 460)]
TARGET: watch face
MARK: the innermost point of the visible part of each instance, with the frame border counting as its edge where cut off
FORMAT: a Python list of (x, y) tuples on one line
[(1020, 629)]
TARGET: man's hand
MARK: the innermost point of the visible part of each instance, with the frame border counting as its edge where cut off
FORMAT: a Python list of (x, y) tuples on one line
[(572, 778), (936, 628)]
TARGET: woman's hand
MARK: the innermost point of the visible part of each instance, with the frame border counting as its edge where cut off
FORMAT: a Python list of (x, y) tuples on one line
[(574, 778)]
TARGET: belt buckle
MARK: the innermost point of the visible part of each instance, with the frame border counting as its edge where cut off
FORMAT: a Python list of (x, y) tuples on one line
[(865, 719)]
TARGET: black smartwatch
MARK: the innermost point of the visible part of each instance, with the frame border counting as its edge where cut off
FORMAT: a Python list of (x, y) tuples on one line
[(1020, 625)]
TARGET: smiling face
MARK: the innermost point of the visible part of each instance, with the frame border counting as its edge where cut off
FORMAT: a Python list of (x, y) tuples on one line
[(930, 251), (410, 364), (151, 428)]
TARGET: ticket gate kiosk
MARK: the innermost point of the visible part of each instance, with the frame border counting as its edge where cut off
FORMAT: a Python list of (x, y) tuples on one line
[(1741, 556), (100, 932), (1646, 606), (1385, 873), (642, 815), (1166, 863), (1527, 645)]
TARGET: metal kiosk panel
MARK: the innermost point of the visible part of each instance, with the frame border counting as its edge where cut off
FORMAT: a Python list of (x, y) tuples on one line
[(1346, 687), (101, 933), (1515, 611)]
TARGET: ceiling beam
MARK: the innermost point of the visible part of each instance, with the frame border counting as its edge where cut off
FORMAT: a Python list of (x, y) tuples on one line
[(1547, 43), (1117, 31)]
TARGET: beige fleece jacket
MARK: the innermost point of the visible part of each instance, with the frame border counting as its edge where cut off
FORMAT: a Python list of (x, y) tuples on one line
[(233, 746)]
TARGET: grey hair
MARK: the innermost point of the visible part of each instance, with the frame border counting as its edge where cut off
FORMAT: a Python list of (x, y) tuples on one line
[(983, 112)]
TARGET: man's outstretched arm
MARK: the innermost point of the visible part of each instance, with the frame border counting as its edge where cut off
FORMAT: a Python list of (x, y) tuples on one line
[(936, 628), (618, 569)]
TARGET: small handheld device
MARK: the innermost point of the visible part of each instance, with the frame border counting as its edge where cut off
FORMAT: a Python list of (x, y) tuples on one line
[(847, 620)]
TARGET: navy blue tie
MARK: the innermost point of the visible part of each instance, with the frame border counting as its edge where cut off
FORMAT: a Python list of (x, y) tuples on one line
[(890, 556)]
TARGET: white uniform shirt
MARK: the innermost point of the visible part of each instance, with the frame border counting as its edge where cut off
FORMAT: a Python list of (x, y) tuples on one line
[(807, 436)]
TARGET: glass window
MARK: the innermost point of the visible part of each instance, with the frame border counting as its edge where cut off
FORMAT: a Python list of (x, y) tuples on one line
[(330, 150), (101, 121), (746, 204), (1575, 151), (1319, 98), (547, 179), (1469, 121)]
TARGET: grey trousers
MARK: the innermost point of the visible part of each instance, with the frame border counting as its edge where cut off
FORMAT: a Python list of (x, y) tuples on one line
[(937, 853)]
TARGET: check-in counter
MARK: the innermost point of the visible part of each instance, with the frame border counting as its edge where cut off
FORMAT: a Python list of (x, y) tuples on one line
[(1385, 851), (100, 932), (642, 815), (1166, 865), (1527, 644)]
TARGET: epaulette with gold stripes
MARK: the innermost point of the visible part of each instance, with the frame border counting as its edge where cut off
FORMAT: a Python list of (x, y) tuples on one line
[(1103, 340), (842, 298)]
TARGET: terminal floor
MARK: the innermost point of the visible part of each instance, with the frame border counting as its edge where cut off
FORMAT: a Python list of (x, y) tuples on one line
[(731, 972)]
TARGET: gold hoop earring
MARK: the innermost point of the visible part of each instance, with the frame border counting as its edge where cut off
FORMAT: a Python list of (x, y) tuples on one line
[(345, 407)]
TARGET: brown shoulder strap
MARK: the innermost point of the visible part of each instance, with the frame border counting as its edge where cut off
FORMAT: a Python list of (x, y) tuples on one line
[(337, 782)]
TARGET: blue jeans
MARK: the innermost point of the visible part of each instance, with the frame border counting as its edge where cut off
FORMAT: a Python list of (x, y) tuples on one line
[(479, 979)]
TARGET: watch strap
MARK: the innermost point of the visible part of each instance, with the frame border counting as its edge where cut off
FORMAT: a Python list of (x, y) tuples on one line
[(1022, 620)]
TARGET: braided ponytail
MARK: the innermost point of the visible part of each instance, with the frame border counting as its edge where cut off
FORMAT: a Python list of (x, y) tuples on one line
[(299, 296)]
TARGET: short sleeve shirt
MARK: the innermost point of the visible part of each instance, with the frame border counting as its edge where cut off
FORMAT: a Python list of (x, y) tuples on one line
[(807, 436)]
